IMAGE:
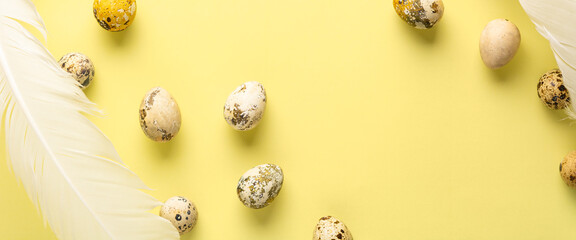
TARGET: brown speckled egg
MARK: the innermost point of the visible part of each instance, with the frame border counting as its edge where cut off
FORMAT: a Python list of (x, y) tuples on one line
[(181, 213), (260, 185), (245, 106), (568, 169), (79, 66), (159, 115), (330, 228), (552, 91), (114, 15), (420, 14)]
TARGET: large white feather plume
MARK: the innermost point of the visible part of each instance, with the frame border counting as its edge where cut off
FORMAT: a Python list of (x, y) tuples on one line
[(69, 168), (555, 19)]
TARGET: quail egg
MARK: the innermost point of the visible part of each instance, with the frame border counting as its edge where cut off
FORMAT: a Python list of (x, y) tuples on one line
[(420, 14), (552, 91), (114, 15), (499, 43), (245, 106), (258, 187), (330, 228), (159, 115), (80, 66), (568, 169), (181, 213)]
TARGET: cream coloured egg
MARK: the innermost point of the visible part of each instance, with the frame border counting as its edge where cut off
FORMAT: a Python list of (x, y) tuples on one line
[(80, 66), (159, 115), (181, 212), (260, 185), (245, 106), (420, 14), (499, 43), (330, 228)]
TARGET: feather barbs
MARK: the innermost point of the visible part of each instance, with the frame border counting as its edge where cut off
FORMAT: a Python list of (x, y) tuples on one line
[(70, 170), (553, 20)]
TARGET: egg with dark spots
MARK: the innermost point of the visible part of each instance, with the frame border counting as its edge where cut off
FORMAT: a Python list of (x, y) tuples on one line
[(552, 91), (114, 15), (160, 118), (421, 14), (181, 212), (80, 66), (260, 185), (245, 106), (330, 228), (568, 169)]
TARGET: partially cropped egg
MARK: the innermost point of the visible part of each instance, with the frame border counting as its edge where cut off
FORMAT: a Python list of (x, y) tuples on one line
[(181, 212), (245, 106), (552, 91), (568, 169), (260, 185), (330, 228), (80, 66), (114, 15), (159, 115), (420, 14)]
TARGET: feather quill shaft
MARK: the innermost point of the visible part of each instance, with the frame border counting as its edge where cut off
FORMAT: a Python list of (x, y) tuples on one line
[(553, 20), (69, 169)]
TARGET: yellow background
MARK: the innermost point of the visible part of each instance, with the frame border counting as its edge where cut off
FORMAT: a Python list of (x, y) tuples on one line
[(401, 133)]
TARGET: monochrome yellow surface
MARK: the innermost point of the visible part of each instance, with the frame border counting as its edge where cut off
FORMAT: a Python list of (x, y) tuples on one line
[(400, 133)]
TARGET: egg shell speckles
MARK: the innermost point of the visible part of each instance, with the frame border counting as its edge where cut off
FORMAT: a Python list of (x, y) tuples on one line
[(114, 15), (80, 66), (330, 228), (421, 14), (260, 185), (181, 213), (159, 115), (499, 43), (551, 90), (245, 106)]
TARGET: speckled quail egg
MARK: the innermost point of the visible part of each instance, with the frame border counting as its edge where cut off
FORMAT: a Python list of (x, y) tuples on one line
[(180, 212), (114, 15), (551, 90), (159, 115), (80, 66), (568, 169), (499, 43), (330, 228), (245, 106), (258, 187), (421, 14)]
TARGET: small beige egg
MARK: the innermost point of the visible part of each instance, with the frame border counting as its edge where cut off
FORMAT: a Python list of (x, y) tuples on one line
[(421, 14), (260, 185), (159, 115), (80, 66), (551, 90), (330, 228), (499, 43), (245, 106), (181, 213)]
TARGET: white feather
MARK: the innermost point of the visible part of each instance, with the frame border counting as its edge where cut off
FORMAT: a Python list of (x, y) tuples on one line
[(554, 19), (70, 170)]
